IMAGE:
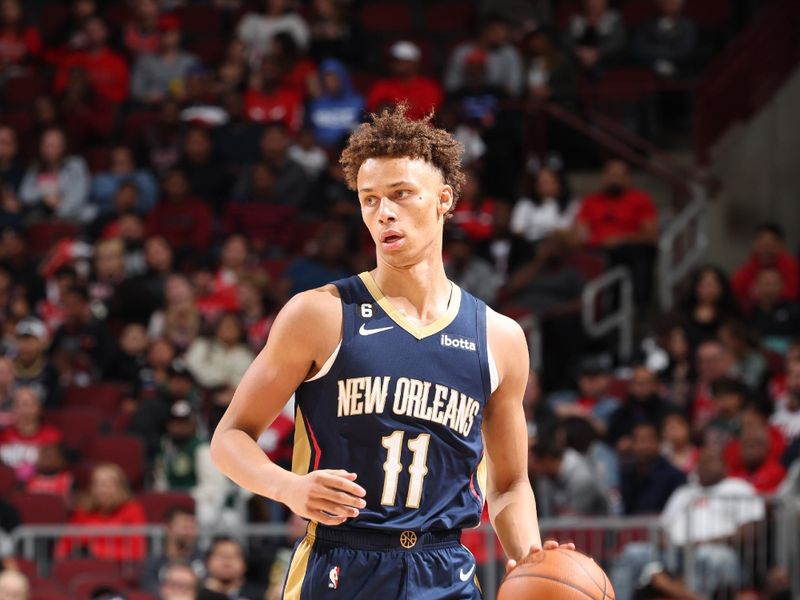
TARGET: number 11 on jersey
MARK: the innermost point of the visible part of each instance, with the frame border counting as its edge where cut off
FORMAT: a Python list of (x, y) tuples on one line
[(393, 467)]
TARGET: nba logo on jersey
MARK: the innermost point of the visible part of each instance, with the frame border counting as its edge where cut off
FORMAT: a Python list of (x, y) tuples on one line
[(333, 578)]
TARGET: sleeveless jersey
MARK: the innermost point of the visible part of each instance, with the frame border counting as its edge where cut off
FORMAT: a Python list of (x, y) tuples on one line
[(401, 406)]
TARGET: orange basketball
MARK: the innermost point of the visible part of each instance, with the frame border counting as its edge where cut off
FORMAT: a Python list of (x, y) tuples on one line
[(557, 575)]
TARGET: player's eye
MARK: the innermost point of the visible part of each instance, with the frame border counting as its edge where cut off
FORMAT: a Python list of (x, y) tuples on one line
[(400, 194), (370, 201)]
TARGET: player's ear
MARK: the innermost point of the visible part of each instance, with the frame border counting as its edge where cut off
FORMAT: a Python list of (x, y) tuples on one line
[(445, 200)]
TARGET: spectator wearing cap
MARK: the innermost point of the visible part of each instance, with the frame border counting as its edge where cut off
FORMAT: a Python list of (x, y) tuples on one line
[(776, 319), (31, 365), (623, 221), (57, 183), (493, 47), (421, 94), (19, 44), (20, 443), (667, 41), (12, 169), (596, 36), (768, 250), (221, 359), (157, 75), (338, 108), (107, 70), (258, 28)]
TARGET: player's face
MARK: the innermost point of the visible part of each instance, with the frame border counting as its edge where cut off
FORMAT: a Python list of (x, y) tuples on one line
[(403, 204)]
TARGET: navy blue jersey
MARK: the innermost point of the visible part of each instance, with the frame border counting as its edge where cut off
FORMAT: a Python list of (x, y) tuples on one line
[(401, 406)]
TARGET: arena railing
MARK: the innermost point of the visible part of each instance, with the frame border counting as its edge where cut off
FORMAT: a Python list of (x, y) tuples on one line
[(597, 321)]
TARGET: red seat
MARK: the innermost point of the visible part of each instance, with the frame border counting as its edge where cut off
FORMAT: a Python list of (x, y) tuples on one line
[(564, 11), (42, 236), (8, 480), (199, 19), (157, 505), (710, 14), (127, 451), (636, 12), (98, 158), (66, 570), (21, 121), (265, 225), (449, 17), (137, 595), (78, 425), (23, 90), (386, 17), (136, 124), (47, 589), (102, 397), (40, 509), (83, 585), (590, 264), (27, 567), (54, 16), (209, 51)]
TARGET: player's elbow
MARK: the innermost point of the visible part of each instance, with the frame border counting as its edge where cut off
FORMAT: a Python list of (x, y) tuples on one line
[(217, 447)]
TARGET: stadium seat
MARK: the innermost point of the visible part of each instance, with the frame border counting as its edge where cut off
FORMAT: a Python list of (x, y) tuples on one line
[(116, 14), (564, 11), (27, 567), (386, 17), (42, 236), (710, 14), (65, 571), (40, 509), (263, 224), (199, 19), (127, 451), (54, 16), (138, 595), (136, 124), (209, 51), (157, 505), (20, 91), (79, 426), (449, 17), (83, 585), (102, 397), (46, 589), (98, 158), (636, 12), (8, 480)]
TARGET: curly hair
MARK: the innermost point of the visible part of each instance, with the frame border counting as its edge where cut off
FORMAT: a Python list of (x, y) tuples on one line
[(392, 134)]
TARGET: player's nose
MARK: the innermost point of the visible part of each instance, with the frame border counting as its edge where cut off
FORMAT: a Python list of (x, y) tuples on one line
[(386, 212)]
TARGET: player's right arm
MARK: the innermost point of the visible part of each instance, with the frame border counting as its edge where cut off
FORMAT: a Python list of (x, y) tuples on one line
[(304, 334)]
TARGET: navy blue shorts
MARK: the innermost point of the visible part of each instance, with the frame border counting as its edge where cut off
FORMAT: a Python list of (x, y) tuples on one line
[(331, 564)]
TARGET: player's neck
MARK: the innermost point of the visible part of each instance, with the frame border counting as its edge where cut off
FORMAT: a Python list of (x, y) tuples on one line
[(422, 288)]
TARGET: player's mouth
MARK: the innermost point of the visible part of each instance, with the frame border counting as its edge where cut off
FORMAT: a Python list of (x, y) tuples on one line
[(391, 239)]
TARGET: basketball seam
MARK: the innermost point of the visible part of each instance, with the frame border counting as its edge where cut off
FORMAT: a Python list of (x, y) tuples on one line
[(588, 575), (535, 575)]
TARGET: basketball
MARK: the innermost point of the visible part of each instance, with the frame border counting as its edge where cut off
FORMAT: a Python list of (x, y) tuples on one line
[(557, 575)]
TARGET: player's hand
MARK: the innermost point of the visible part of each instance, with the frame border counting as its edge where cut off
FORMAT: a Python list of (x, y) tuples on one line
[(327, 496), (548, 545)]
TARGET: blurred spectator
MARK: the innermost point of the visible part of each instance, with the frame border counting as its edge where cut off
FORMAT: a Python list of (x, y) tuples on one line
[(237, 140), (473, 213), (57, 183), (622, 220), (178, 320), (156, 75), (180, 546), (647, 482), (162, 139), (297, 72), (502, 59), (82, 347), (144, 292), (596, 36), (52, 475), (755, 416), (549, 73), (327, 21), (31, 366), (207, 181), (787, 407), (141, 35), (14, 586), (107, 70), (713, 361), (729, 396), (709, 303), (200, 103), (231, 72), (677, 444), (19, 44), (422, 94), (667, 41), (108, 503), (338, 108), (744, 347), (109, 272), (549, 209), (226, 566), (132, 355), (758, 468), (291, 183), (768, 250), (181, 219), (678, 373), (255, 318), (776, 320), (707, 514), (122, 170), (505, 250), (468, 270), (306, 153), (11, 168), (257, 29), (326, 260), (88, 117), (592, 400), (7, 384), (178, 582), (643, 405), (21, 442), (222, 359)]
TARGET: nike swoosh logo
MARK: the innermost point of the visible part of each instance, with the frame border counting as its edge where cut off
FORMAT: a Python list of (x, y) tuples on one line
[(465, 576), (364, 331)]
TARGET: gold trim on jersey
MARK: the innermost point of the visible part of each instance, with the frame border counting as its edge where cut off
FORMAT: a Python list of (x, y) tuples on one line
[(299, 565), (401, 320), (301, 453), (482, 473)]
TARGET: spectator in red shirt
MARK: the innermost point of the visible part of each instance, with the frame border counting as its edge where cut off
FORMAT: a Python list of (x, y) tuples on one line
[(623, 221), (761, 470), (109, 503), (52, 475), (268, 100), (140, 35), (108, 71), (18, 43), (768, 250), (20, 443), (422, 94), (474, 210), (181, 219)]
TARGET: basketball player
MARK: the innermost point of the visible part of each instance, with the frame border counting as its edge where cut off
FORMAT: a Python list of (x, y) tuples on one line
[(408, 392)]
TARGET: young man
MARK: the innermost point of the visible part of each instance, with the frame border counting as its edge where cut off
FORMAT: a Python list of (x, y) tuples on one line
[(398, 377)]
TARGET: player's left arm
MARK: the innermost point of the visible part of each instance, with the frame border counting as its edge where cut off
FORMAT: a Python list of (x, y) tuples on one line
[(512, 508)]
